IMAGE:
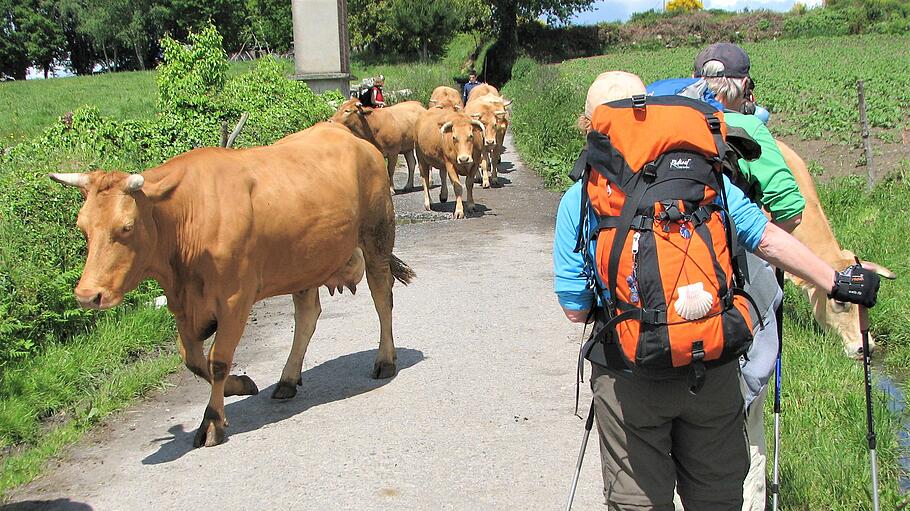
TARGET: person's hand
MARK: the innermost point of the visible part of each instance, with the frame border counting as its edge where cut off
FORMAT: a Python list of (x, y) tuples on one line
[(856, 285)]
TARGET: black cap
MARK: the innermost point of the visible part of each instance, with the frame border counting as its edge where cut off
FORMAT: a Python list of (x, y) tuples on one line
[(736, 62)]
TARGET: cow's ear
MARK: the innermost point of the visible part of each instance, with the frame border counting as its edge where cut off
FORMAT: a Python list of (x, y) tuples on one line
[(162, 189), (881, 270), (365, 110)]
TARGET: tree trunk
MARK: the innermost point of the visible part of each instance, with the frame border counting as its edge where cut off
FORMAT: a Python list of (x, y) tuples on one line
[(46, 72), (139, 56), (107, 60)]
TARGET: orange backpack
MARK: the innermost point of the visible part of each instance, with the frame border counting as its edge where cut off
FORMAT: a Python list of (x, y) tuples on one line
[(665, 245)]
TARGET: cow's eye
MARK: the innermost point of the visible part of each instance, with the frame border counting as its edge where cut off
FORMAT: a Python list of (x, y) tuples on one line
[(470, 137), (127, 227)]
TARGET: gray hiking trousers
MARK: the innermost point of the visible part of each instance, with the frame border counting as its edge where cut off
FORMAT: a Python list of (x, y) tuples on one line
[(654, 435)]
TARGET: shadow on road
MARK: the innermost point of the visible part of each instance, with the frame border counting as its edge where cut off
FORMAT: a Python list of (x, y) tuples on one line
[(506, 167), (46, 505), (333, 380), (449, 207)]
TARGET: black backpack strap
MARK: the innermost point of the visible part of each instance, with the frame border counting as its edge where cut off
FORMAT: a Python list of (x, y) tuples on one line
[(636, 191)]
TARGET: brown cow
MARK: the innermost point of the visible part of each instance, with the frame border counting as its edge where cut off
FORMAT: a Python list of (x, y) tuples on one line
[(453, 143), (221, 229), (447, 98), (390, 129), (491, 111), (815, 232), (481, 90)]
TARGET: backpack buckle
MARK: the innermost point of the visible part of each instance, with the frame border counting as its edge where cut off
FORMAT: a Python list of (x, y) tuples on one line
[(649, 171), (713, 124), (653, 317), (638, 101)]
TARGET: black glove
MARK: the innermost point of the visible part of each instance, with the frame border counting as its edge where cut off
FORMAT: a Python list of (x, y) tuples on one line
[(855, 285)]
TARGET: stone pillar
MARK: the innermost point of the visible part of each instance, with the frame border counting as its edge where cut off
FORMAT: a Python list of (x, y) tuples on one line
[(321, 48)]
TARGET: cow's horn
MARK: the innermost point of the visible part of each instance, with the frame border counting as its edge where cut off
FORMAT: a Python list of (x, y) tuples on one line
[(433, 102), (479, 125), (500, 112), (359, 104), (475, 116), (134, 183), (507, 102), (77, 179), (446, 127)]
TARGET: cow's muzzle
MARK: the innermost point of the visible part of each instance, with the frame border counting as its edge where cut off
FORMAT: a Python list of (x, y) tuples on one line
[(94, 298), (465, 159)]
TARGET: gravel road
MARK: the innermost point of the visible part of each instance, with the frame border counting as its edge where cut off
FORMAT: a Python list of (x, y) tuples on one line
[(479, 416)]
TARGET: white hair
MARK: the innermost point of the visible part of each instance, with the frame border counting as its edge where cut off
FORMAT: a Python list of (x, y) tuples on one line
[(727, 90)]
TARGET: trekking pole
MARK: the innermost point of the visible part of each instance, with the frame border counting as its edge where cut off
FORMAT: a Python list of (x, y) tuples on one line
[(870, 426), (779, 313), (589, 424)]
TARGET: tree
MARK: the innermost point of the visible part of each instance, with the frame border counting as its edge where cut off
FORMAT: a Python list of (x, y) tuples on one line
[(13, 52), (270, 23), (44, 42), (425, 27), (506, 13)]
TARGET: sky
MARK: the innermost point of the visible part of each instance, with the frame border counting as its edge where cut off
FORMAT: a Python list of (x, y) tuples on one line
[(620, 10)]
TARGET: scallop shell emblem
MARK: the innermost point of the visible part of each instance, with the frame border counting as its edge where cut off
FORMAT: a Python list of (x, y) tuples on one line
[(693, 302)]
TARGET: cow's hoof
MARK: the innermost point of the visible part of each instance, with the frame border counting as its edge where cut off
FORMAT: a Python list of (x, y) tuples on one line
[(426, 206), (210, 433), (284, 390), (392, 190), (382, 370), (443, 198), (486, 184), (247, 385)]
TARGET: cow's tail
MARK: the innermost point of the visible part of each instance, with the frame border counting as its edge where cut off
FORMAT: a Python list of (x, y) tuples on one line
[(401, 271)]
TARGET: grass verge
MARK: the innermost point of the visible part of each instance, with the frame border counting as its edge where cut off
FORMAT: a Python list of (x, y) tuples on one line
[(49, 401), (824, 455)]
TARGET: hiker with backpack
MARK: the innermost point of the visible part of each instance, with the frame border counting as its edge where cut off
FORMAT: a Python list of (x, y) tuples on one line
[(646, 248), (372, 96), (721, 78)]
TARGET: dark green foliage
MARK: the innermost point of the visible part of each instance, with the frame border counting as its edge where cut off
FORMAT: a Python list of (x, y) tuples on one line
[(424, 27), (270, 23)]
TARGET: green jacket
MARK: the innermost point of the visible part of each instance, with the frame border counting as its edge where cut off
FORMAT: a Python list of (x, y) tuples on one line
[(777, 189)]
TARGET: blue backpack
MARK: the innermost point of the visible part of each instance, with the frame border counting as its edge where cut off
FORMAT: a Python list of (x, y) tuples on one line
[(695, 88)]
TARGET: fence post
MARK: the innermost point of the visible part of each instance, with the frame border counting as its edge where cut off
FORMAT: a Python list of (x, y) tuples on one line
[(867, 143), (224, 134)]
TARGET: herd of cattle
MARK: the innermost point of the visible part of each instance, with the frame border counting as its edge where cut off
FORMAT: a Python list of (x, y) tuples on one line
[(472, 138), (221, 229)]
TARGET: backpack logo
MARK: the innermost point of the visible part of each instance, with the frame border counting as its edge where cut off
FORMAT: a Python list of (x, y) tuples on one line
[(680, 164)]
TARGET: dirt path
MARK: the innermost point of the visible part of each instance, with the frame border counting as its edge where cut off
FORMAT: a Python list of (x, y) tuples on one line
[(479, 416)]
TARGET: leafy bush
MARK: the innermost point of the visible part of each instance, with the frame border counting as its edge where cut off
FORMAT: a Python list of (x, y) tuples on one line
[(192, 76), (818, 22), (684, 5), (277, 106)]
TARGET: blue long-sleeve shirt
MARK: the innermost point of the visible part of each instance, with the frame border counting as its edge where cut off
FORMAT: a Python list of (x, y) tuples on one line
[(571, 276)]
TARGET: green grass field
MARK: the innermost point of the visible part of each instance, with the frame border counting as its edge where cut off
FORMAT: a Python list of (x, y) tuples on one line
[(825, 462), (36, 104)]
